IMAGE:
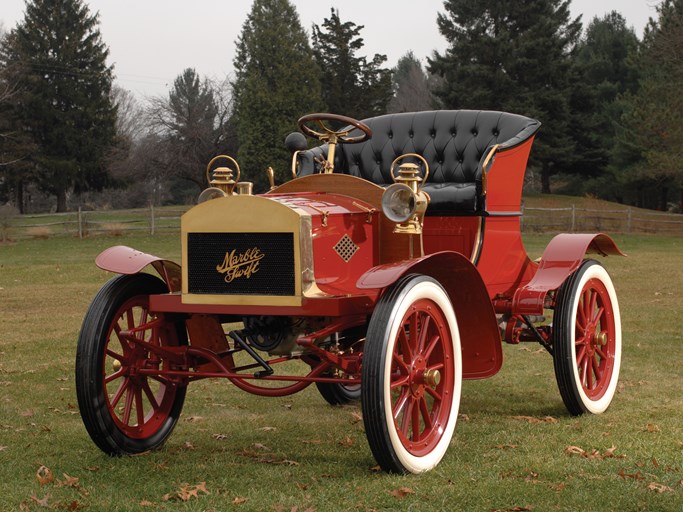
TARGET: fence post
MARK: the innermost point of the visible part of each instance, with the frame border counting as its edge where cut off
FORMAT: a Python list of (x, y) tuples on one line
[(573, 218), (628, 222), (521, 219), (151, 211), (80, 223)]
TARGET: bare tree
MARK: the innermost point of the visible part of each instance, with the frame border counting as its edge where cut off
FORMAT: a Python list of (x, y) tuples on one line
[(411, 86), (192, 125)]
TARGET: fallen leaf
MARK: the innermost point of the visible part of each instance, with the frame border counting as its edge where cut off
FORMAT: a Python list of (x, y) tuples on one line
[(651, 428), (219, 437), (402, 492), (312, 441), (186, 492), (74, 505), (376, 469), (69, 481), (532, 419), (268, 429), (636, 476), (593, 454), (574, 450), (528, 508), (3, 448), (260, 446), (464, 417), (188, 445), (145, 503), (43, 502), (27, 413), (44, 475), (194, 419), (357, 417), (347, 442), (239, 500), (506, 446), (659, 488)]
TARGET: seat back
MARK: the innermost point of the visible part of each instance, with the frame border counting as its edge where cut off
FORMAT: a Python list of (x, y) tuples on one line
[(454, 143)]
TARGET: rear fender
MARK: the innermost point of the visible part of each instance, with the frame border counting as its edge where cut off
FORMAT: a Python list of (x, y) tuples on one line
[(482, 354), (561, 258), (126, 260)]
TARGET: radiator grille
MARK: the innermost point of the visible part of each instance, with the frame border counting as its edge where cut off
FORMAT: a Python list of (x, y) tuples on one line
[(241, 263)]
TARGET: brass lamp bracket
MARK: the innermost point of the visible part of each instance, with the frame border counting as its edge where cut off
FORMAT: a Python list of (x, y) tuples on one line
[(408, 173)]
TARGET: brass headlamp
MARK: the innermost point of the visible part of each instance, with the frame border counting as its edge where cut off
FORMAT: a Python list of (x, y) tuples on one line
[(404, 202)]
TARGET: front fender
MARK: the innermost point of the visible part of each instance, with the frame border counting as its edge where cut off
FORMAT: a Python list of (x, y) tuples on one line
[(561, 258), (482, 354), (126, 260)]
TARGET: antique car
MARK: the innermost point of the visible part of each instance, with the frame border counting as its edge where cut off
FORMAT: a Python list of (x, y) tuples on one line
[(390, 268)]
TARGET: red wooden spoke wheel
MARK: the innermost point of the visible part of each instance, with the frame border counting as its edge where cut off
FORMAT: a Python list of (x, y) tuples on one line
[(125, 406), (412, 375), (587, 340)]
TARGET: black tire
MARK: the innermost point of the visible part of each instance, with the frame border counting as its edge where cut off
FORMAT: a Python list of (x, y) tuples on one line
[(124, 412), (411, 386), (339, 394), (587, 340)]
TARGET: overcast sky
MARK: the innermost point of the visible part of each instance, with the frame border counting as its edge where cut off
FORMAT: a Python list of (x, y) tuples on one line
[(153, 41)]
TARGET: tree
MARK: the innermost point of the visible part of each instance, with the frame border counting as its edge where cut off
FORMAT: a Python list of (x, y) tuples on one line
[(605, 70), (276, 82), (350, 84), (193, 123), (517, 57), (15, 141), (651, 127), (65, 100), (411, 86)]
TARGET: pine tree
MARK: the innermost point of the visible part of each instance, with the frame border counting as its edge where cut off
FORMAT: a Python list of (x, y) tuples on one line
[(65, 102), (605, 70), (650, 143), (516, 57), (351, 85), (276, 82)]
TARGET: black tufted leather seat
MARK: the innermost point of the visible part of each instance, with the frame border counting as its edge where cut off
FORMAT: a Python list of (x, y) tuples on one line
[(454, 143)]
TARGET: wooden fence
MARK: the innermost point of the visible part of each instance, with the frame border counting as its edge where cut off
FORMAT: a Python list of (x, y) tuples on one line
[(84, 223), (586, 220), (152, 220)]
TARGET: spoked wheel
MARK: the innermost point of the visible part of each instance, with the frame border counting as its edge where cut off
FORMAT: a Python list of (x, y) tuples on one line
[(412, 376), (587, 340), (124, 410)]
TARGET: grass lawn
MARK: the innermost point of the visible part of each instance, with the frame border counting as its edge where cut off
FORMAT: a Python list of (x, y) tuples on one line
[(515, 447)]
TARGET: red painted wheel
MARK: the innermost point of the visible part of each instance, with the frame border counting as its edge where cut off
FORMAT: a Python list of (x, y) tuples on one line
[(412, 375), (127, 409), (587, 340)]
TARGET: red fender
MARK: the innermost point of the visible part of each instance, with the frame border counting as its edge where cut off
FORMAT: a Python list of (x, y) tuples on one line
[(126, 260), (482, 355), (561, 258)]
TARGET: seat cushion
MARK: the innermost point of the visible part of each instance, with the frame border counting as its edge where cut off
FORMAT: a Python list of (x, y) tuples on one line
[(447, 198)]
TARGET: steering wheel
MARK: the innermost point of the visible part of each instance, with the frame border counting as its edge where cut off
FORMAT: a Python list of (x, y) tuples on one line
[(334, 136)]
